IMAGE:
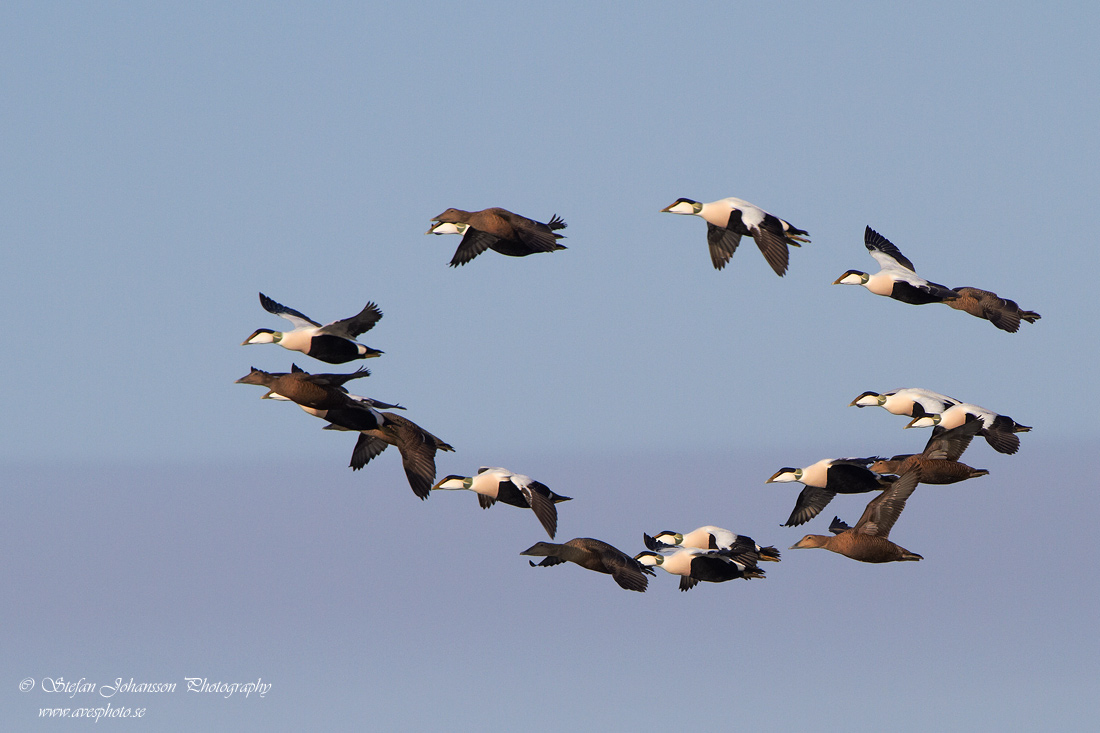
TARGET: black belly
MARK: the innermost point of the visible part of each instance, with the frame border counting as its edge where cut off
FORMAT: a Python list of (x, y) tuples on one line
[(333, 349), (907, 293)]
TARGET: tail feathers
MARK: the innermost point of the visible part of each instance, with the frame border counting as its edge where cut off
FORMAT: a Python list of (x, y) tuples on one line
[(769, 553), (753, 572), (795, 235)]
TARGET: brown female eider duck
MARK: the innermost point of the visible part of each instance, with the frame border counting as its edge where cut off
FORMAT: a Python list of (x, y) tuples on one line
[(824, 480), (499, 484), (594, 555), (694, 564), (499, 230), (315, 393), (729, 219), (867, 540), (1003, 313), (417, 446), (939, 462), (333, 343)]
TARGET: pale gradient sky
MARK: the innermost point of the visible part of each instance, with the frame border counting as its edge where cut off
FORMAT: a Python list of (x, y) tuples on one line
[(163, 164)]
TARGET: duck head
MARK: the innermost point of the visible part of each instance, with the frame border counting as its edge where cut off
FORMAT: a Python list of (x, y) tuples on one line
[(852, 277), (785, 475), (263, 336), (683, 206)]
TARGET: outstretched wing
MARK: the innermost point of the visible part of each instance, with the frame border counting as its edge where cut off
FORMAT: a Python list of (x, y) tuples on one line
[(809, 504), (884, 251), (541, 505), (772, 242), (882, 511), (366, 448), (723, 243), (473, 243), (361, 322), (299, 319)]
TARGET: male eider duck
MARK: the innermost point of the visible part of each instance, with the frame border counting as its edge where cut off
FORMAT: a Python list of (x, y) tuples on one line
[(694, 564), (1003, 313), (939, 462), (741, 548), (896, 279), (998, 430), (333, 343), (824, 480), (867, 540), (499, 230), (594, 555), (729, 219), (417, 446), (910, 401), (499, 484)]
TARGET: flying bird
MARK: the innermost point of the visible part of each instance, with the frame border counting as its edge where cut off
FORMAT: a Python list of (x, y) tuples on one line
[(417, 446), (499, 230), (730, 219), (939, 461), (594, 555), (998, 430), (868, 540), (911, 401), (321, 395), (896, 277), (741, 548), (333, 343), (499, 484), (1003, 313), (824, 480), (694, 564)]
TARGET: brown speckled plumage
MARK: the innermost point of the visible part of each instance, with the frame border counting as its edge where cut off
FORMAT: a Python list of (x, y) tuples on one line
[(867, 540), (501, 231)]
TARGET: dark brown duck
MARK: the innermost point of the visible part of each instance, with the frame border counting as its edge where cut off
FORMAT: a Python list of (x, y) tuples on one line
[(499, 230)]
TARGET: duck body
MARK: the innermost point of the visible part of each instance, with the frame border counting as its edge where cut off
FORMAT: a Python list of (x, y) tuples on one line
[(318, 392), (594, 555), (998, 430), (333, 343), (868, 540), (741, 548), (493, 484), (694, 564), (729, 219), (910, 401), (1003, 313), (499, 230), (939, 462), (824, 480), (934, 470), (896, 277)]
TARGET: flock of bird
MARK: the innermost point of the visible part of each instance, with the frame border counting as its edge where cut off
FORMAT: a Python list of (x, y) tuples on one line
[(709, 553)]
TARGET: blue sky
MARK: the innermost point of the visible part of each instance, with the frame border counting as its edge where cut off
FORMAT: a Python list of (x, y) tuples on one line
[(164, 164)]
